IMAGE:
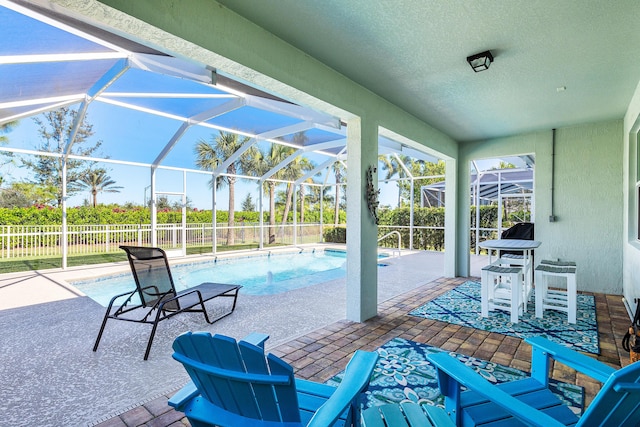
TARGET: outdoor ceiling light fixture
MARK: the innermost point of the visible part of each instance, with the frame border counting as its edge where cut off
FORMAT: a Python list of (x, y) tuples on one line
[(480, 61)]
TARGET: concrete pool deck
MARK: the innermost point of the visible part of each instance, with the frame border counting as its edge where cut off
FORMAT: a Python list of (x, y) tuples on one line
[(51, 377)]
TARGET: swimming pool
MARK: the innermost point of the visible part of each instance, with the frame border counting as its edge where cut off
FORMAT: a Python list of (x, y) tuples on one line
[(259, 275)]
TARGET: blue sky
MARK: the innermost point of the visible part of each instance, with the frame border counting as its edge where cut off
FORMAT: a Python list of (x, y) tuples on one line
[(139, 137), (132, 135)]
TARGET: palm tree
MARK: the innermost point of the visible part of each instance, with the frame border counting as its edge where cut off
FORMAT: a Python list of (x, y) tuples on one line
[(259, 162), (6, 128), (421, 168), (97, 181), (293, 171), (339, 172), (6, 157), (302, 192), (212, 154), (391, 166)]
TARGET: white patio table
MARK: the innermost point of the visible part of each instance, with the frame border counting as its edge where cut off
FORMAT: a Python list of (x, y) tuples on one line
[(526, 246), (518, 297)]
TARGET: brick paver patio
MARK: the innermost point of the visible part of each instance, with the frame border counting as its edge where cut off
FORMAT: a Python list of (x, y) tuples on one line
[(320, 355)]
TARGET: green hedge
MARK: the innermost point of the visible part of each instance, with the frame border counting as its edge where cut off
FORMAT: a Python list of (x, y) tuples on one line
[(425, 239), (335, 235), (43, 215)]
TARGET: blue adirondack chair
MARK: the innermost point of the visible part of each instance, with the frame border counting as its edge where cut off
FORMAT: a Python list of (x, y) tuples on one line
[(405, 414), (235, 384), (529, 402)]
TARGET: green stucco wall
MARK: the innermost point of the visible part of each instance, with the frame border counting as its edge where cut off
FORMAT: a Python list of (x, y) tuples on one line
[(588, 199), (631, 257)]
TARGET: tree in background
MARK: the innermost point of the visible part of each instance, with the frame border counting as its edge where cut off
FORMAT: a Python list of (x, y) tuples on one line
[(55, 128), (26, 194), (247, 204), (391, 166), (339, 172), (421, 168), (302, 194), (503, 165), (6, 156), (292, 172), (164, 204), (259, 162), (417, 168), (210, 155), (97, 181)]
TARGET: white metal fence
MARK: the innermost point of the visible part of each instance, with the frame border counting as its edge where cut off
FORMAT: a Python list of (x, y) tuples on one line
[(33, 241)]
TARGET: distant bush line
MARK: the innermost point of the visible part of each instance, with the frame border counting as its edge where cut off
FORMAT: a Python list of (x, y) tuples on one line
[(85, 215), (423, 239)]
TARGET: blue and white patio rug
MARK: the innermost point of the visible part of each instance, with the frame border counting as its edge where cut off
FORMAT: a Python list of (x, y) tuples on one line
[(403, 374), (461, 306)]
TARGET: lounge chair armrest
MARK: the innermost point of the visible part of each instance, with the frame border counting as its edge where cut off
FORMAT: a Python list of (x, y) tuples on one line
[(355, 381), (184, 395), (460, 374), (256, 338), (578, 361), (115, 297)]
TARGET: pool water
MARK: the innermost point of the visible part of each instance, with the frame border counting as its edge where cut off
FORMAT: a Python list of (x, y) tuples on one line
[(259, 275)]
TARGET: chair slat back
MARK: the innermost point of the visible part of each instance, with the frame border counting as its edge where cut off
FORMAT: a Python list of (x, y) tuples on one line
[(238, 378), (618, 401), (152, 275)]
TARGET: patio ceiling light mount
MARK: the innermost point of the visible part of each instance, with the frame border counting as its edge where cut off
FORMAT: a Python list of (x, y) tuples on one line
[(480, 61)]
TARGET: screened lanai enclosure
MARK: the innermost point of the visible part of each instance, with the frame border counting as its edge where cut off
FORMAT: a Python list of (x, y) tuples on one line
[(509, 190), (149, 119)]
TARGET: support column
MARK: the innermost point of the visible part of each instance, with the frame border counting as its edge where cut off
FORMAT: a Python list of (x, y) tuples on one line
[(184, 213), (65, 231), (463, 220), (295, 215), (214, 214), (154, 210), (322, 214), (261, 210), (450, 210), (362, 233), (411, 202)]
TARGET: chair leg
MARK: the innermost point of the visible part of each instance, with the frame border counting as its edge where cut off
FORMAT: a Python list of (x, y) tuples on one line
[(484, 294), (104, 324), (99, 337), (516, 290), (235, 299), (571, 298), (541, 291), (153, 334)]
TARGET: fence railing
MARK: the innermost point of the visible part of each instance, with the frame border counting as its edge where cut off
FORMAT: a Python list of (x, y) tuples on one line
[(28, 241)]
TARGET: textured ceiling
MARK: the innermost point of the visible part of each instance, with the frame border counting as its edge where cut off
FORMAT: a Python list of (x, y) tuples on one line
[(413, 54)]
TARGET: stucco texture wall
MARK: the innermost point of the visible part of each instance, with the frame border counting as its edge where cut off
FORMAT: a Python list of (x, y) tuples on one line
[(588, 205), (631, 262), (588, 201)]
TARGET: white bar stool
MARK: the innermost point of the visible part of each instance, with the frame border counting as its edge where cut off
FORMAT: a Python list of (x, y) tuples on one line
[(556, 299), (525, 262), (502, 289)]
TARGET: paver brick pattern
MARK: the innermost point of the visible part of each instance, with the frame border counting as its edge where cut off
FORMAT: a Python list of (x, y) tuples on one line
[(321, 354)]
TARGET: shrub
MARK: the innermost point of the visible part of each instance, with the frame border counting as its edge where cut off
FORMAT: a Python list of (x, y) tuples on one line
[(335, 235)]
